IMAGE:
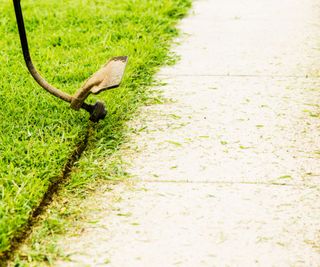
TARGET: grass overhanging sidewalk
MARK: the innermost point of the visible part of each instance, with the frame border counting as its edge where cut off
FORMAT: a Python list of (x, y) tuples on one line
[(70, 40)]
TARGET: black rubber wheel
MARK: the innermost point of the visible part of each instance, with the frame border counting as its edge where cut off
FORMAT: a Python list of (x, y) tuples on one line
[(99, 112)]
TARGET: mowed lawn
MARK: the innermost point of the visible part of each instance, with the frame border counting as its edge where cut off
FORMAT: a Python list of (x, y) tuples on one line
[(69, 40)]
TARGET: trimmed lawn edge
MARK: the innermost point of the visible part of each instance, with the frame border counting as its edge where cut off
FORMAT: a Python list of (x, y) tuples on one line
[(90, 167)]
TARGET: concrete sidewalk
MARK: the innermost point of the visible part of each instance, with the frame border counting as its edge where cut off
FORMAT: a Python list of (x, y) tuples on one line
[(228, 173)]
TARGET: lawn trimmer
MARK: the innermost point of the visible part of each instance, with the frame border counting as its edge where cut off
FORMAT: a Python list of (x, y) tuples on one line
[(108, 77)]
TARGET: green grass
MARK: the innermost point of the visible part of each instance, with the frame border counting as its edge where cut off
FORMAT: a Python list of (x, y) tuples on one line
[(69, 41)]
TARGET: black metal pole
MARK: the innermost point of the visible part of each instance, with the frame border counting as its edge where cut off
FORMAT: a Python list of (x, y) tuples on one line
[(25, 49), (97, 111)]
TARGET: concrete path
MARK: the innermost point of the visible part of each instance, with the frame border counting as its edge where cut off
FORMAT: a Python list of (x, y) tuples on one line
[(228, 172)]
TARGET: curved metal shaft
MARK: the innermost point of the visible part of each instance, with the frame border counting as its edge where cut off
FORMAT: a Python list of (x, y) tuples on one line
[(25, 49)]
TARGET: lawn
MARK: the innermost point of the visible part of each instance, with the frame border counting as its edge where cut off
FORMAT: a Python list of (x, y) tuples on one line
[(70, 40)]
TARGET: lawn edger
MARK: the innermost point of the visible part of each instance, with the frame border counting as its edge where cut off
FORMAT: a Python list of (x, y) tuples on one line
[(108, 77)]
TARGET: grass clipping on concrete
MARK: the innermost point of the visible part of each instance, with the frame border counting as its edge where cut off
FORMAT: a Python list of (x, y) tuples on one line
[(70, 40)]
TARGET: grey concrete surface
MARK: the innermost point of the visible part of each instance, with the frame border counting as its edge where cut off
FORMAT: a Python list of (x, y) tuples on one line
[(227, 173)]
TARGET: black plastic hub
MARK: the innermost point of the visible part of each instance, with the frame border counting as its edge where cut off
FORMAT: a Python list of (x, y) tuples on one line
[(98, 112)]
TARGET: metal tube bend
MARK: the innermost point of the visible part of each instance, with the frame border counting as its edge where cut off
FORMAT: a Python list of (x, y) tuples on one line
[(25, 49)]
